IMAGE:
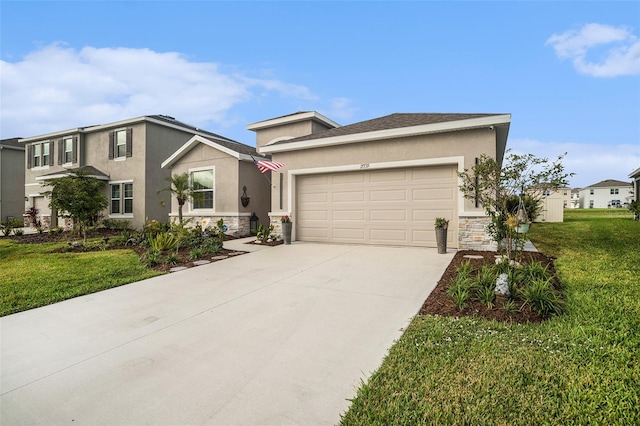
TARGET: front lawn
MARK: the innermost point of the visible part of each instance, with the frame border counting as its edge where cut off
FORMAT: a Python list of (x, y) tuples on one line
[(579, 368), (32, 276)]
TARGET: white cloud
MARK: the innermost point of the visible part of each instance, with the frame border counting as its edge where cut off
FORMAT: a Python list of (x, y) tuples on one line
[(57, 87), (591, 163), (341, 109), (621, 54)]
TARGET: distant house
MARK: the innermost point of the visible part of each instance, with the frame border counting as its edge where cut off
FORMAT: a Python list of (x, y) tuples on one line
[(605, 194), (575, 198), (11, 179), (126, 154), (635, 177), (226, 174)]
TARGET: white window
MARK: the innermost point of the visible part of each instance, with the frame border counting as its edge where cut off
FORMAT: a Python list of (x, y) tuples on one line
[(614, 191), (591, 192), (37, 152), (46, 155), (546, 192), (565, 192), (121, 143), (115, 199), (128, 197), (202, 182), (590, 204), (68, 150), (564, 204), (121, 198)]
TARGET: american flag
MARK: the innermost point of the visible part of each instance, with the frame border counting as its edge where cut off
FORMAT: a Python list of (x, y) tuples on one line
[(268, 166)]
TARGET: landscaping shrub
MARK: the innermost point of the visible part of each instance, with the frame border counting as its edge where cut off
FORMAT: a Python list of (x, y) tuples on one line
[(163, 241), (116, 224), (151, 258)]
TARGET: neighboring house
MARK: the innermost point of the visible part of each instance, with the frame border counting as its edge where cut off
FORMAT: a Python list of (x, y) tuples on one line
[(126, 154), (575, 198), (11, 179), (231, 185), (635, 177), (605, 194), (553, 204), (380, 181)]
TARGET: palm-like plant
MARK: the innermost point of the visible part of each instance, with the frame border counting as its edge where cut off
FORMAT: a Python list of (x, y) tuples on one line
[(180, 187)]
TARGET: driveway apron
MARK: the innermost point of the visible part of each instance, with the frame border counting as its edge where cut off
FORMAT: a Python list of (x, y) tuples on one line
[(283, 335)]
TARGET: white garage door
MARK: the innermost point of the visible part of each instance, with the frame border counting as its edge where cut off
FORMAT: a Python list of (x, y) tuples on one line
[(387, 207)]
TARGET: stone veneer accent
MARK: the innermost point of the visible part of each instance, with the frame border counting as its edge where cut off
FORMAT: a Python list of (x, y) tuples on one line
[(238, 226), (472, 234), (274, 220)]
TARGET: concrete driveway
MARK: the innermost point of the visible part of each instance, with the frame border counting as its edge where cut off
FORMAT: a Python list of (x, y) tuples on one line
[(282, 335)]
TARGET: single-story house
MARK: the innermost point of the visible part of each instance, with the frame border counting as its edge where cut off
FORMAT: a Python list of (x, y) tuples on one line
[(381, 181), (233, 188)]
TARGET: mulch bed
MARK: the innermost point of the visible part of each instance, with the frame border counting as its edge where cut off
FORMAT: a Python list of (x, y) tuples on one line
[(440, 303), (183, 254), (270, 243)]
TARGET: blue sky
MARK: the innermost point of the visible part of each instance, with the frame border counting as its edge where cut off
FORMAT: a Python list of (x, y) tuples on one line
[(568, 72)]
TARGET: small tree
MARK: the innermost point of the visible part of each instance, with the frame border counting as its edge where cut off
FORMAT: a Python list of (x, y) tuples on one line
[(522, 177), (180, 187), (79, 196)]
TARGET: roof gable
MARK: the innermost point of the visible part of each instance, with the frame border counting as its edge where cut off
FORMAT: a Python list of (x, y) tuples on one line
[(232, 148)]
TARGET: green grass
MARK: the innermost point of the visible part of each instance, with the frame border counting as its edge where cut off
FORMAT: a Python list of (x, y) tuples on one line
[(579, 368), (32, 276)]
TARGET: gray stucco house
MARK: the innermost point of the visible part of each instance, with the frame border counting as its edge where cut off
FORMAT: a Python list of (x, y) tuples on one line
[(381, 181), (126, 154), (11, 179)]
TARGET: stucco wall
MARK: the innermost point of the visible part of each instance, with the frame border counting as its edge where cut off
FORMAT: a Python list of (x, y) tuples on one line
[(469, 144), (293, 130), (258, 188), (225, 178), (161, 142), (12, 181)]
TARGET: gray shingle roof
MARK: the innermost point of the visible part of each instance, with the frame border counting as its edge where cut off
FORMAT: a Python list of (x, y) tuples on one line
[(90, 170), (12, 142), (609, 183), (392, 121), (221, 140), (235, 146)]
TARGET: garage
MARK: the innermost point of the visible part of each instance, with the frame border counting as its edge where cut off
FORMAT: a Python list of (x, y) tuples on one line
[(394, 206)]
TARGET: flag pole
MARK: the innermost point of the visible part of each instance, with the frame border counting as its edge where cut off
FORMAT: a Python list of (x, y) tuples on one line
[(256, 164)]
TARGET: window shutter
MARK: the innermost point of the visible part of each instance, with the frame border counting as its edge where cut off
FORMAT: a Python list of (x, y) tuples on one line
[(51, 149), (129, 142), (74, 152), (29, 156), (112, 143), (60, 151)]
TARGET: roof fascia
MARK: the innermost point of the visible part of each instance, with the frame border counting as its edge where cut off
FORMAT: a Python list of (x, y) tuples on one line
[(196, 139), (423, 129), (293, 119), (65, 174), (15, 148), (635, 173), (117, 124)]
